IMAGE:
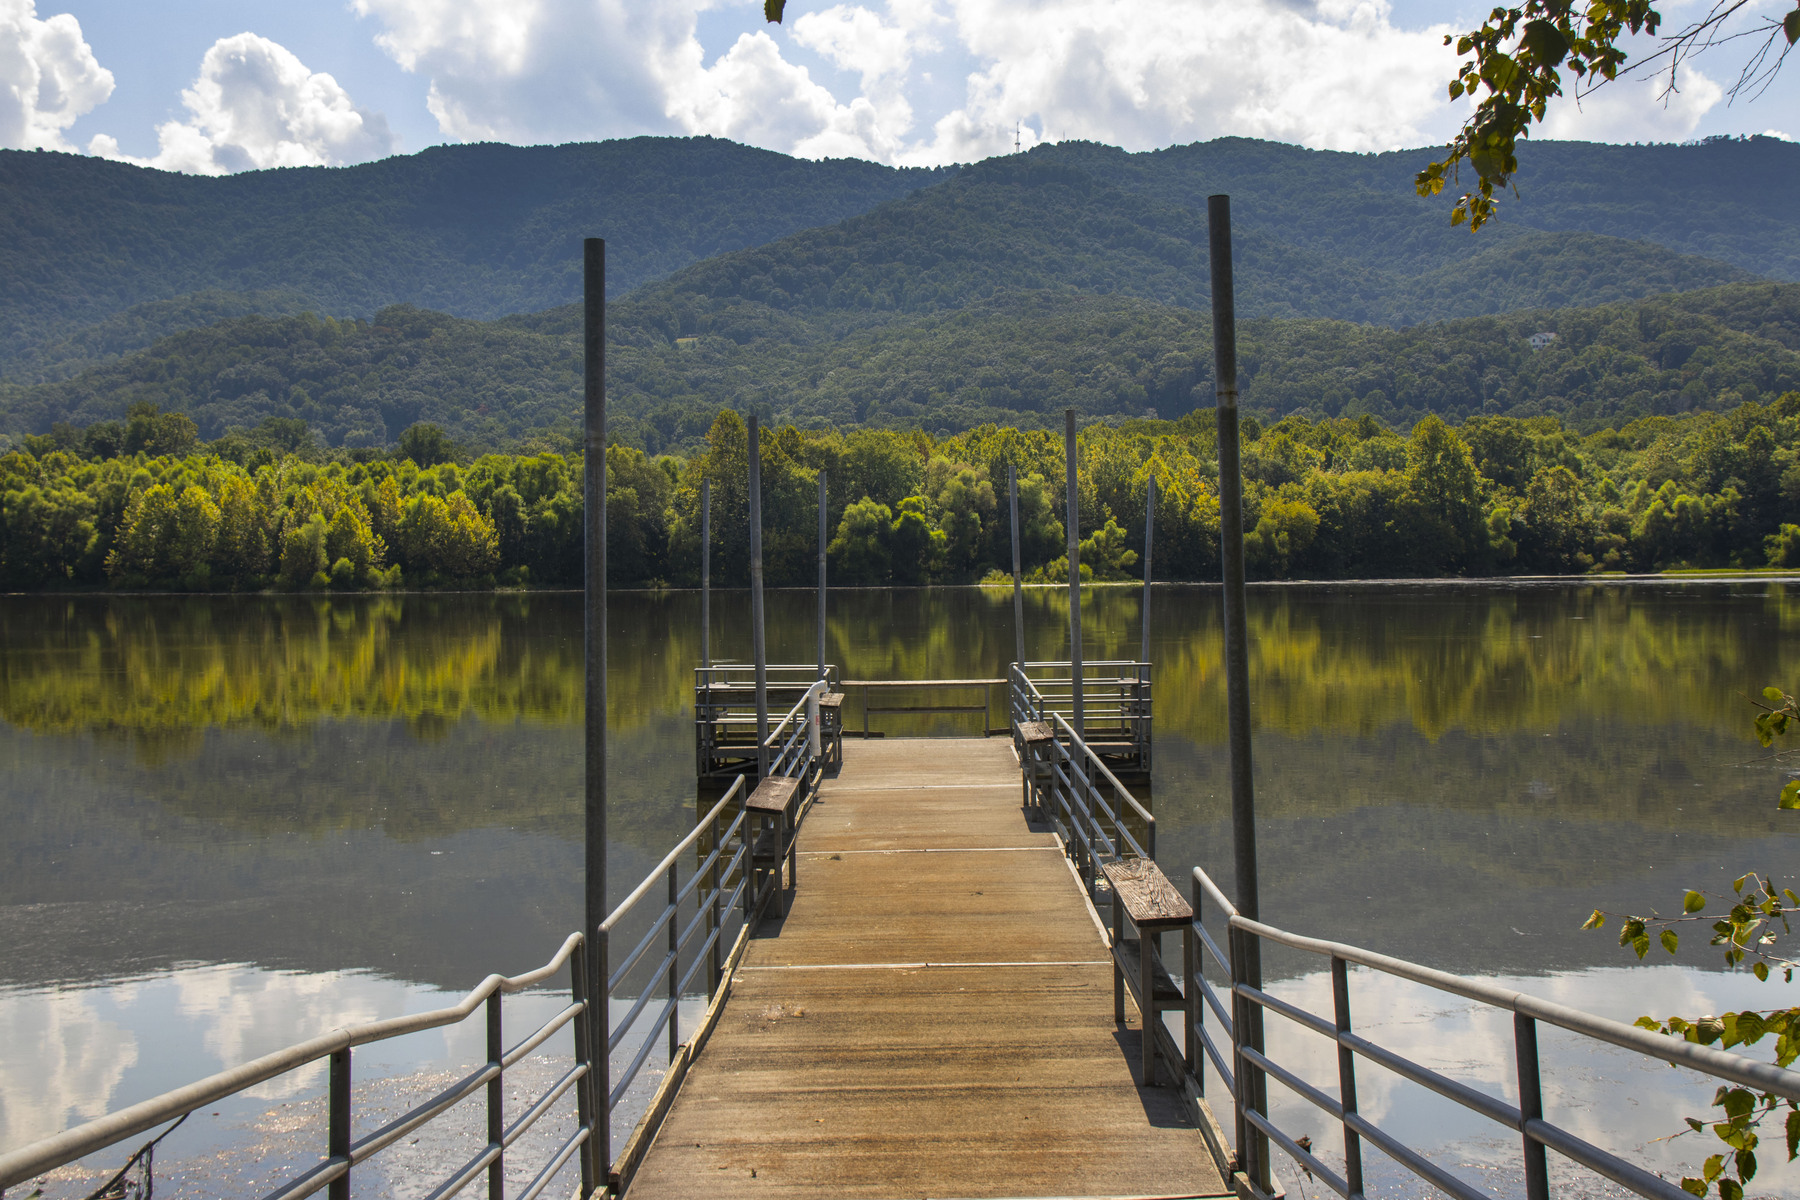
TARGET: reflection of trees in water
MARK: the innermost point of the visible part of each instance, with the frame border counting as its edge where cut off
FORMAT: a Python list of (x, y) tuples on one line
[(1328, 660), (157, 670)]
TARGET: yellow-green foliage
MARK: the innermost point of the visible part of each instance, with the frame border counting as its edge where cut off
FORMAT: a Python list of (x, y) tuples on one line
[(1340, 498)]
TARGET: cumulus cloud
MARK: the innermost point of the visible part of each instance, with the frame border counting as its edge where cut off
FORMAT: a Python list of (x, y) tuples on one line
[(1325, 73), (256, 105), (1333, 74), (48, 77), (1635, 110)]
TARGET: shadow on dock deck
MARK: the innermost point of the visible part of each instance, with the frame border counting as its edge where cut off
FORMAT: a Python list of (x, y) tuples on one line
[(933, 1017)]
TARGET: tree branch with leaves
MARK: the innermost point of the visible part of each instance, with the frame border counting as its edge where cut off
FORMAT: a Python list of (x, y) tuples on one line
[(1749, 928), (1514, 67)]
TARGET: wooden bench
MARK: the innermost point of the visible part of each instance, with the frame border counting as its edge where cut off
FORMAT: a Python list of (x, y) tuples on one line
[(774, 805), (1143, 895), (831, 729), (1036, 740)]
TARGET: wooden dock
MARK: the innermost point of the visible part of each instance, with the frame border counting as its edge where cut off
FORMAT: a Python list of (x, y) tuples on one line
[(932, 1017)]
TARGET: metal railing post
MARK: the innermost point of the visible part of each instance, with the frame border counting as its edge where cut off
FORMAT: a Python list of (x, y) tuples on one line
[(717, 902), (603, 1052), (1531, 1106), (674, 966), (584, 1056), (812, 720), (337, 1137), (496, 1100), (1194, 965), (1340, 998)]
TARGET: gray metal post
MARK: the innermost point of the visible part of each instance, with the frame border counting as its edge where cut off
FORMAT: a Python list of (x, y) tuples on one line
[(821, 572), (1074, 577), (1237, 636), (1149, 538), (593, 491), (1012, 490), (757, 648), (706, 576)]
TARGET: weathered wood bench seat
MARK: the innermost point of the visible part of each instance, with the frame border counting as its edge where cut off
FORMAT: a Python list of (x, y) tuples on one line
[(775, 802), (1034, 732), (1143, 895), (831, 728)]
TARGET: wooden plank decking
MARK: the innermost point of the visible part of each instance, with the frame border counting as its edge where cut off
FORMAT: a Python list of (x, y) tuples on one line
[(933, 1017)]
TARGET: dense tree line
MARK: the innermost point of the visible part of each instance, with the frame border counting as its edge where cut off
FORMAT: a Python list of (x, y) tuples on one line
[(144, 504), (1017, 359)]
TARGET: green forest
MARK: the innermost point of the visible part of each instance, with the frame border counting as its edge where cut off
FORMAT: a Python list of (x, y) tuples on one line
[(145, 504), (1016, 359)]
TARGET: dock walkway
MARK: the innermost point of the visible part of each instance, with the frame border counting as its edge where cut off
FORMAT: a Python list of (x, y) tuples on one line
[(933, 1016)]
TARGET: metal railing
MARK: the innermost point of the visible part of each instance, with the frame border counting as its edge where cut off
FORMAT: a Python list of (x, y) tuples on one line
[(1091, 819), (725, 710), (342, 1151), (1245, 1067), (794, 743), (690, 928), (1117, 716), (871, 686)]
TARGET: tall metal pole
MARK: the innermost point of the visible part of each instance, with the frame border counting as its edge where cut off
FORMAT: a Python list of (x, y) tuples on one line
[(821, 572), (593, 494), (1074, 575), (1012, 489), (757, 648), (1149, 538), (706, 576), (1237, 644)]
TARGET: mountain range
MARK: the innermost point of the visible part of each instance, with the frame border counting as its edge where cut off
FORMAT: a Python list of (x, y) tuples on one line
[(846, 292)]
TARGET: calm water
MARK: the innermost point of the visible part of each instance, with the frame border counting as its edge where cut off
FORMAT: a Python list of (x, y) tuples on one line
[(233, 823)]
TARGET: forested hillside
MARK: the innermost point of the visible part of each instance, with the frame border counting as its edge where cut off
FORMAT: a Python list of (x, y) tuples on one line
[(103, 257), (1019, 358), (479, 230), (141, 503)]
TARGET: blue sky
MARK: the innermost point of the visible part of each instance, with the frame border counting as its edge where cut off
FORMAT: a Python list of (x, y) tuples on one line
[(211, 86)]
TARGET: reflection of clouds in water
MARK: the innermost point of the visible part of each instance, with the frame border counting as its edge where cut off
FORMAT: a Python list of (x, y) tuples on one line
[(69, 1056), (1620, 1101), (61, 1059), (245, 1013)]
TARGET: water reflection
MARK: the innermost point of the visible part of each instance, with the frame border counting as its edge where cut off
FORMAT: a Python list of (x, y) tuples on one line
[(389, 788)]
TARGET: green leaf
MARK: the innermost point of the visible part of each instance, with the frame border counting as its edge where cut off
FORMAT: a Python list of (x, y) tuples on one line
[(1714, 1167), (1737, 885), (1695, 1124), (1730, 1189), (1546, 42), (1790, 25), (1693, 902), (1669, 941), (1761, 971), (1692, 1186), (1597, 921), (772, 10), (1790, 794), (1793, 1135), (1772, 695)]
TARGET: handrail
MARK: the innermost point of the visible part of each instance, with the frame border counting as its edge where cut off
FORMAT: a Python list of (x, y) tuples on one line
[(1252, 1065), (48, 1153), (1720, 1063), (671, 858)]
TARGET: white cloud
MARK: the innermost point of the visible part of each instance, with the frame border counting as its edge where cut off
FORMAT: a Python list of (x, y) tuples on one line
[(537, 70), (1336, 74), (1634, 110), (256, 105), (1329, 73), (48, 77)]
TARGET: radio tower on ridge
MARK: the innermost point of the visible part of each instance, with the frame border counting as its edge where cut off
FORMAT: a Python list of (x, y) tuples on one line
[(1015, 137)]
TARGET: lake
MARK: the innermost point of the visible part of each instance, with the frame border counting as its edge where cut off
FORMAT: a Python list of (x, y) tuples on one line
[(232, 823)]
